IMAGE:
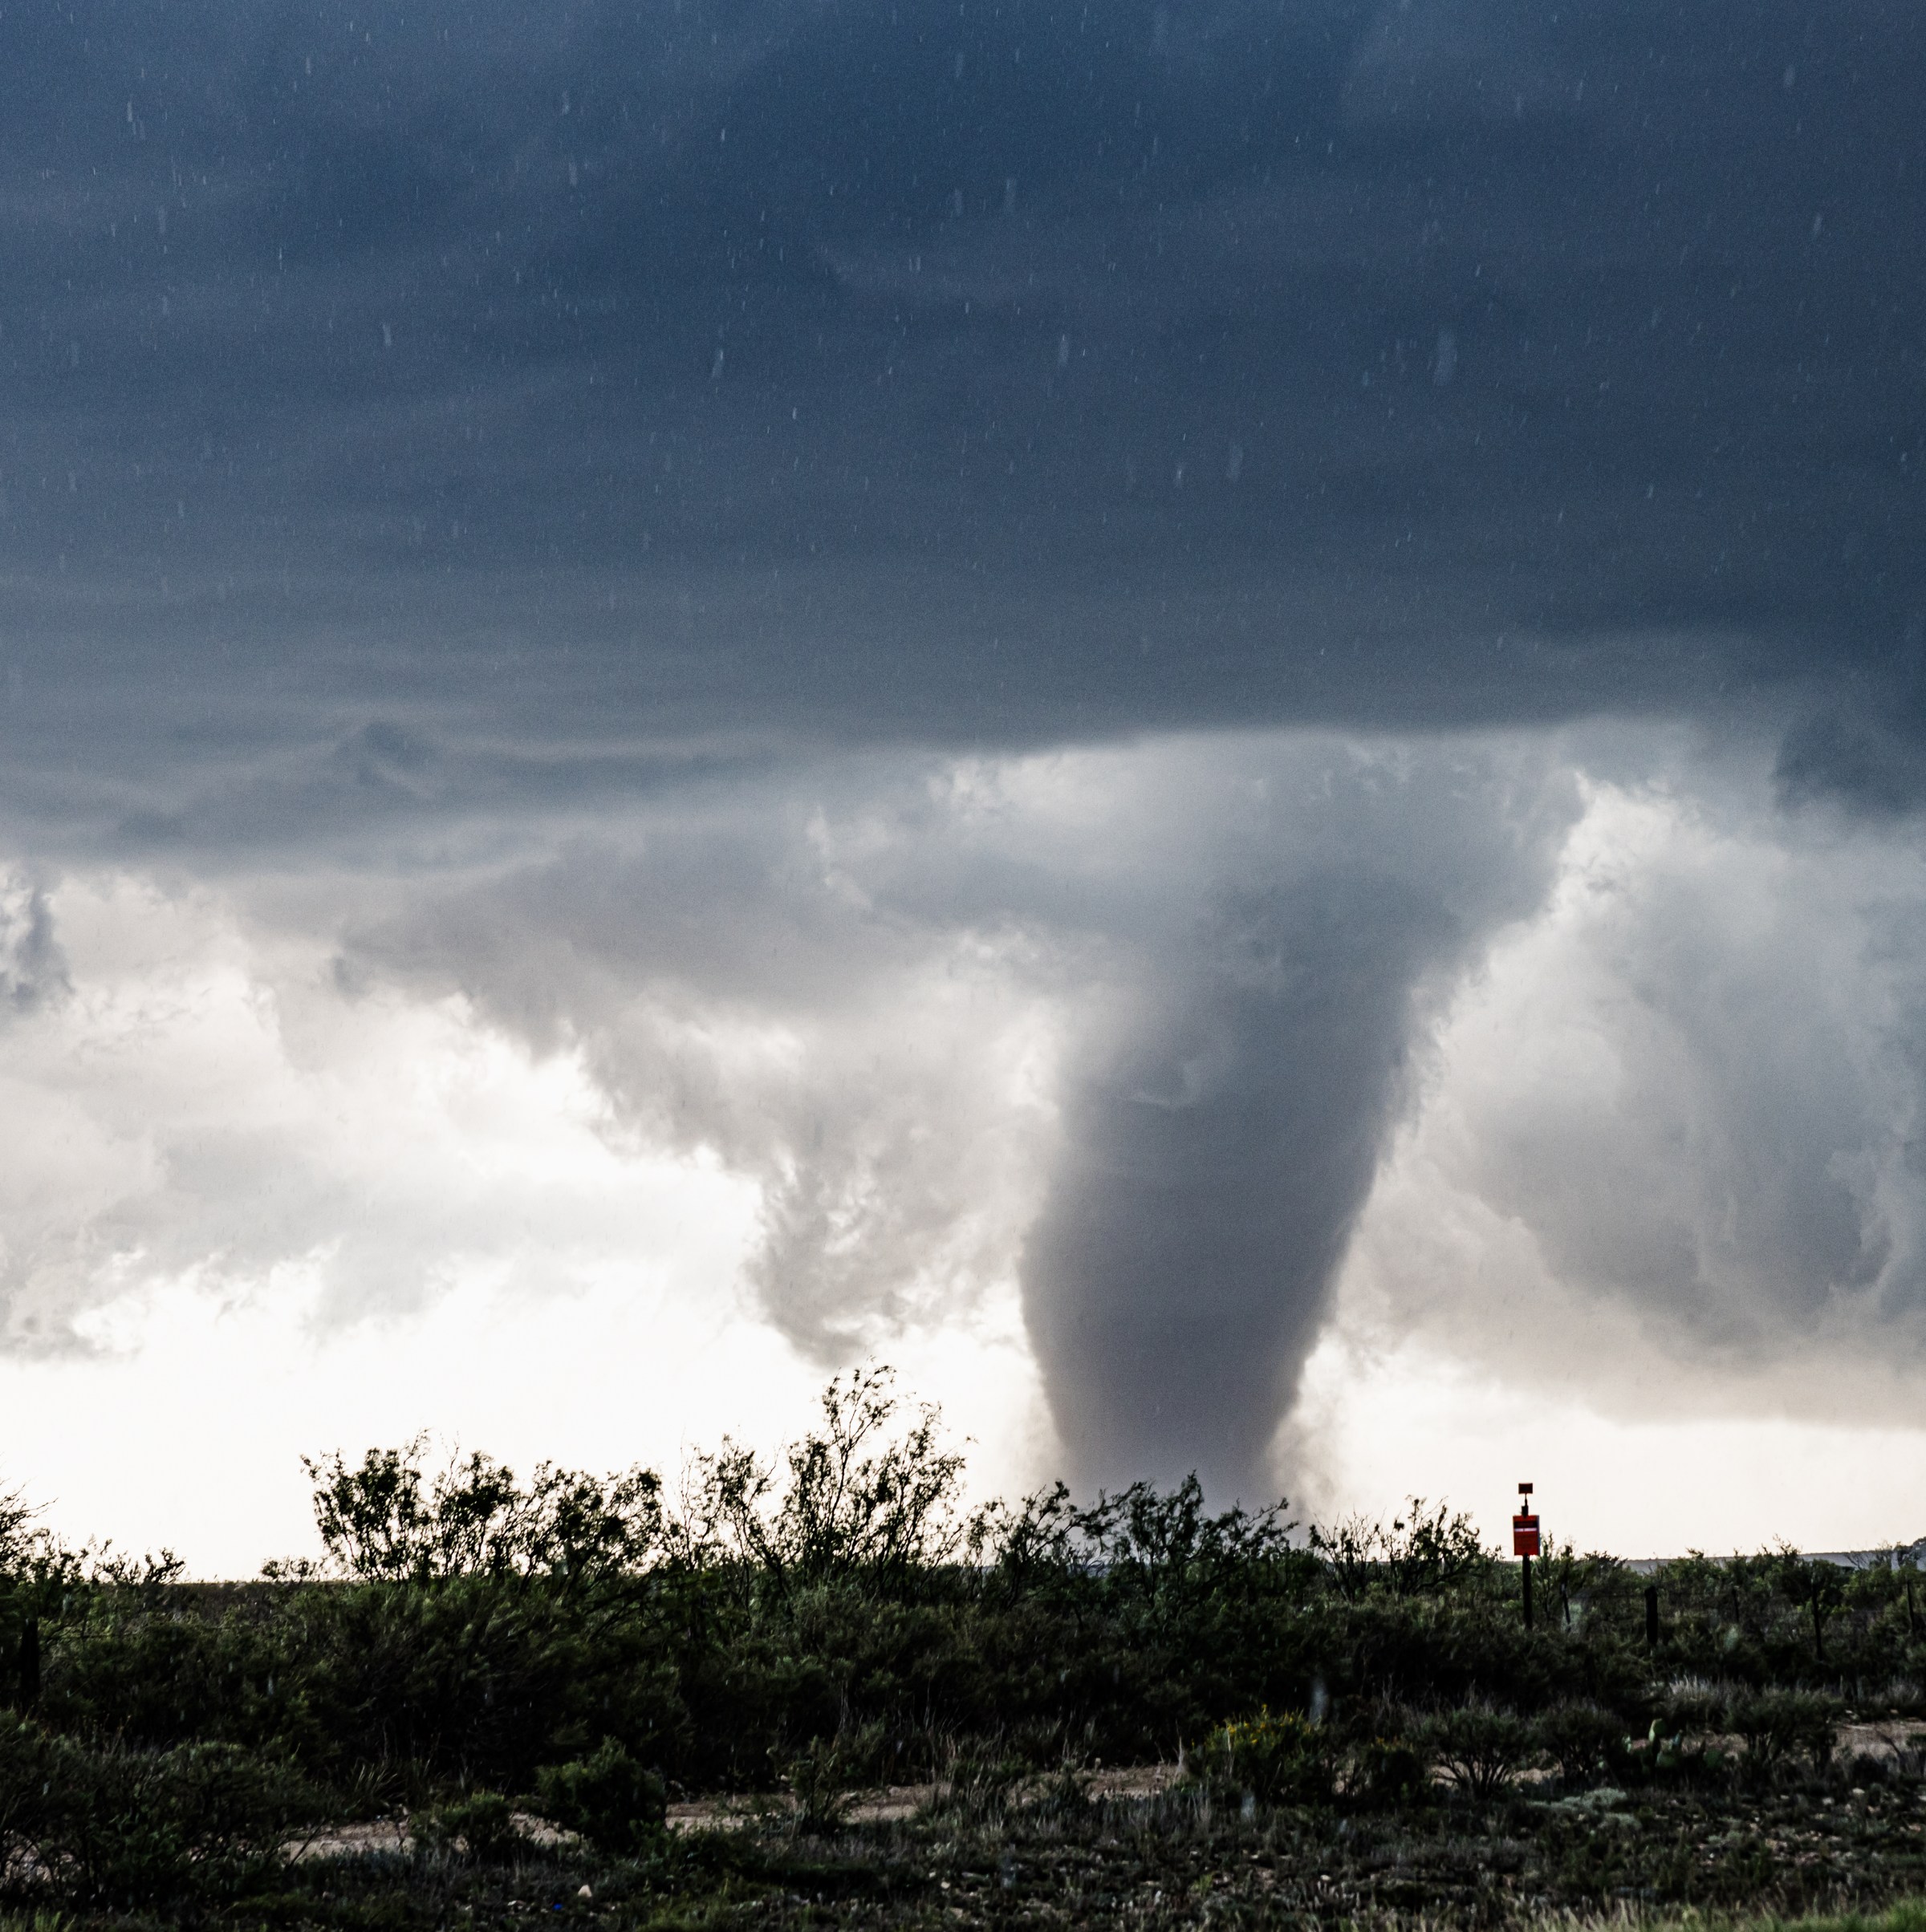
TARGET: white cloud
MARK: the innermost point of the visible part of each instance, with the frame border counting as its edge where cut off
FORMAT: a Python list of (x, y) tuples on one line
[(1666, 1176), (250, 1214), (601, 1150), (205, 1104)]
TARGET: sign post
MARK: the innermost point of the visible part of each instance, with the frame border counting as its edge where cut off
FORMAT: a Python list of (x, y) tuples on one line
[(1525, 1541)]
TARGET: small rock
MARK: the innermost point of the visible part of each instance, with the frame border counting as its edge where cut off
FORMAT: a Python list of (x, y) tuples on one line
[(585, 1892)]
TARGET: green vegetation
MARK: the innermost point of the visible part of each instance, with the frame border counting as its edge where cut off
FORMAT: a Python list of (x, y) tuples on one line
[(1353, 1723)]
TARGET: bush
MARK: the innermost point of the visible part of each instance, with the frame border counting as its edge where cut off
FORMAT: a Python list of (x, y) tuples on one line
[(824, 1778), (619, 1806), (1281, 1758), (1584, 1740), (117, 1826), (1387, 1772), (483, 1824), (1479, 1748), (1424, 1551), (494, 1629), (27, 1771), (1777, 1726)]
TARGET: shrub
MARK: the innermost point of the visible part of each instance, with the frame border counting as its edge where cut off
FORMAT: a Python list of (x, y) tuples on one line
[(1387, 1772), (1586, 1741), (117, 1826), (1479, 1748), (500, 1628), (388, 1518), (1423, 1552), (1691, 1708), (483, 1824), (27, 1771), (865, 1498), (824, 1778), (619, 1805), (1280, 1758), (1777, 1726)]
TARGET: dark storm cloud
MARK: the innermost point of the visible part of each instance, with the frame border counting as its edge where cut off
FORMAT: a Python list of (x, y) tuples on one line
[(999, 370), (415, 428)]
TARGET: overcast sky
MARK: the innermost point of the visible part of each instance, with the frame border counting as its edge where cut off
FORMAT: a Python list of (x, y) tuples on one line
[(1206, 717)]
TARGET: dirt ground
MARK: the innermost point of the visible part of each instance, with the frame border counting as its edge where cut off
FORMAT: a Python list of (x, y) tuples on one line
[(896, 1802), (893, 1803)]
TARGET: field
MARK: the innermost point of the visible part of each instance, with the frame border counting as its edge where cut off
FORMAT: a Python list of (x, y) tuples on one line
[(816, 1691)]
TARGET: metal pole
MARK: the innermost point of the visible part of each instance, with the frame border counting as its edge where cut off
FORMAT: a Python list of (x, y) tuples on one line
[(1525, 1540), (1652, 1614)]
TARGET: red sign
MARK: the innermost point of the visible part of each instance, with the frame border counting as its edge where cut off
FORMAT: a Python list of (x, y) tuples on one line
[(1524, 1536)]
